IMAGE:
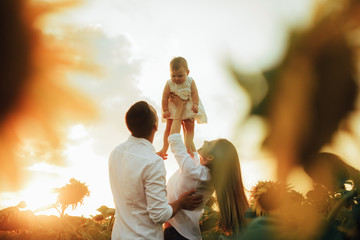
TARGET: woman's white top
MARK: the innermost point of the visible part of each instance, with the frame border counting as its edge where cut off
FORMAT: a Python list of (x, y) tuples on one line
[(184, 92), (191, 174)]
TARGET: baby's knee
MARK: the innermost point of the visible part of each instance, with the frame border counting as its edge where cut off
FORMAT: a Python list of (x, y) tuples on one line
[(189, 124)]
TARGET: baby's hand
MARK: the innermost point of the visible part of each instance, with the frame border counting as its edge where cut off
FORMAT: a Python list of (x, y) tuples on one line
[(195, 108), (166, 114)]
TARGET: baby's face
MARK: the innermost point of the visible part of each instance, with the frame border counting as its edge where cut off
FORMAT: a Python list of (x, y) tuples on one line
[(178, 76)]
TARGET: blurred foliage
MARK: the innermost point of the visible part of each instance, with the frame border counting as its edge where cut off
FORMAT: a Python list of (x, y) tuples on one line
[(37, 100), (309, 95), (305, 100), (105, 214), (209, 221), (338, 211)]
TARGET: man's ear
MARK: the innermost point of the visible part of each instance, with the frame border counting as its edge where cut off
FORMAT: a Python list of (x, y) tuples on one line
[(188, 71), (156, 126)]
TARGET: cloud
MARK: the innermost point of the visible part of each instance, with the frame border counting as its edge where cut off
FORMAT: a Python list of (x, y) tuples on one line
[(42, 102), (114, 90), (108, 79)]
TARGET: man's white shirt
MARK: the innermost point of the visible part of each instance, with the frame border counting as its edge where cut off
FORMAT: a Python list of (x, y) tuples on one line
[(138, 183)]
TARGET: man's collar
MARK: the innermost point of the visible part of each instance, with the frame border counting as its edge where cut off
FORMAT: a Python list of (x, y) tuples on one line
[(141, 141)]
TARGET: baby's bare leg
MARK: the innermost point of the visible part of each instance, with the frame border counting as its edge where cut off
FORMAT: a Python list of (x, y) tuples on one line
[(162, 152), (189, 136)]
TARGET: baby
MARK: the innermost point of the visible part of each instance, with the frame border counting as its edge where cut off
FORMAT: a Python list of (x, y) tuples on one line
[(183, 86)]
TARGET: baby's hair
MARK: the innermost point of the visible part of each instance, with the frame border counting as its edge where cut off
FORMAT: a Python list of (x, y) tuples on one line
[(178, 62)]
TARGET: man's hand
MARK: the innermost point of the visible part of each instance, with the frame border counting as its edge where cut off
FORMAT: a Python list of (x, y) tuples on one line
[(179, 103), (190, 200), (195, 108), (166, 114), (187, 201)]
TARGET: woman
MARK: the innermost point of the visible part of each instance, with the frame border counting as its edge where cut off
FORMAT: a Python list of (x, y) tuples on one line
[(215, 166)]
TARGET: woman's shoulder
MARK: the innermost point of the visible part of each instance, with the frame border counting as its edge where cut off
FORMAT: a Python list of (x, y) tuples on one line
[(199, 172)]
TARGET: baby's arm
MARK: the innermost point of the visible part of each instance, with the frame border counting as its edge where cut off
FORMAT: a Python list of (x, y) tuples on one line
[(165, 101), (195, 97)]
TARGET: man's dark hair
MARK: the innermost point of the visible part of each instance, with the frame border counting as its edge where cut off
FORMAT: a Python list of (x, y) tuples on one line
[(140, 119)]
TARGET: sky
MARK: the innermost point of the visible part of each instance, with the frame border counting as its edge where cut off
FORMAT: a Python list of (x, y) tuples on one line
[(132, 43)]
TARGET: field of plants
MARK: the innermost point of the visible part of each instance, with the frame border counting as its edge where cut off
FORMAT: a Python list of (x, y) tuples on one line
[(320, 214)]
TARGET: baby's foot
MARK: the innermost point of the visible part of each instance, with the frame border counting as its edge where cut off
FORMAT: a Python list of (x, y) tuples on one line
[(162, 153)]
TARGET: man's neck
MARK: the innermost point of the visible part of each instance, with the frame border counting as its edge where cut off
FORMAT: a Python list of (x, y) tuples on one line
[(150, 138)]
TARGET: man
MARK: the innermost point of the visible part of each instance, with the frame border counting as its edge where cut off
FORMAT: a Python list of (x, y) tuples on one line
[(137, 179)]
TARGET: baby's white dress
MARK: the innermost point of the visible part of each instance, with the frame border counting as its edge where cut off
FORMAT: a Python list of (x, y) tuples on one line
[(184, 92)]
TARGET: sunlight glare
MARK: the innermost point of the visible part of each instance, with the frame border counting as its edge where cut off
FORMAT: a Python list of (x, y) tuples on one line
[(38, 199), (39, 194), (77, 131)]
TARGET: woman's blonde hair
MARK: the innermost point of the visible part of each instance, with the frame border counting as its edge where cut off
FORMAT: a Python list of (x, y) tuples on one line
[(229, 188)]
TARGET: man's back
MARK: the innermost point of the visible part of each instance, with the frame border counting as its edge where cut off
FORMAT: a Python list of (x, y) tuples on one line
[(137, 178)]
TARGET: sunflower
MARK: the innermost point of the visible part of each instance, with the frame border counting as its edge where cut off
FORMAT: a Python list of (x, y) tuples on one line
[(71, 195), (268, 195)]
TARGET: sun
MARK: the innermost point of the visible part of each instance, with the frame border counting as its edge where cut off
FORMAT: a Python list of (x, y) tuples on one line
[(39, 194)]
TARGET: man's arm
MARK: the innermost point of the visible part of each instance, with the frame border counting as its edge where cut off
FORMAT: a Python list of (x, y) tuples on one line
[(180, 106), (155, 190), (187, 201)]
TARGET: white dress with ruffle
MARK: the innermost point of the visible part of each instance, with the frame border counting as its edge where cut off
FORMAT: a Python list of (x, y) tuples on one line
[(184, 92)]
